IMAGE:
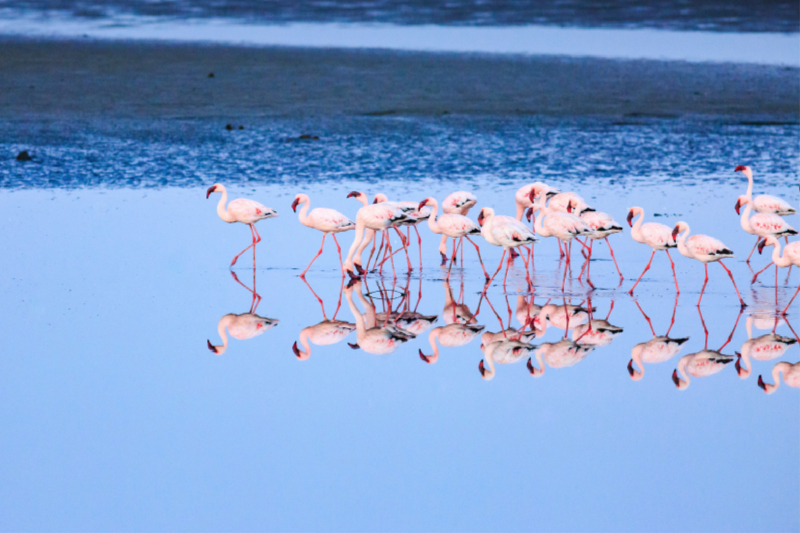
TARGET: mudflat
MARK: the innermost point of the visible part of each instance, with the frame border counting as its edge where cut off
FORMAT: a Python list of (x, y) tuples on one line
[(73, 78)]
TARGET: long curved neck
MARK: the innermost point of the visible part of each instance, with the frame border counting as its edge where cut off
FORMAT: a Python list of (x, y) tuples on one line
[(489, 360), (369, 310), (223, 334), (637, 358), (537, 222), (433, 223), (363, 199), (303, 215), (782, 262), (221, 210), (432, 338), (682, 370), (360, 327), (749, 192), (520, 211), (359, 234), (745, 220), (749, 326), (540, 361), (306, 351), (745, 364), (486, 229), (637, 226), (776, 372), (682, 243)]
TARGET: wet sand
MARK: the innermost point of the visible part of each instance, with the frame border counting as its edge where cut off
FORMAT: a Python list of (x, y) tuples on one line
[(89, 79)]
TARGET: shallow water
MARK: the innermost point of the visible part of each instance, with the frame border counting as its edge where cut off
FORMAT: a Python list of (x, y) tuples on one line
[(117, 415)]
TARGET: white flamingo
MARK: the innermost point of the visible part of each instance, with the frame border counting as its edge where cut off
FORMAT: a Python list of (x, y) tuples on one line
[(596, 333), (656, 236), (241, 210), (765, 203), (656, 350), (376, 217), (503, 352), (791, 376), (790, 257), (454, 226), (528, 194), (411, 218), (324, 220), (602, 225), (561, 225), (457, 203), (699, 365), (324, 333), (450, 336), (706, 250), (370, 337), (241, 327), (764, 348), (761, 224), (561, 354), (507, 232)]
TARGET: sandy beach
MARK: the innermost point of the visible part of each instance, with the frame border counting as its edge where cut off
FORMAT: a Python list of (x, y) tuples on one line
[(53, 79)]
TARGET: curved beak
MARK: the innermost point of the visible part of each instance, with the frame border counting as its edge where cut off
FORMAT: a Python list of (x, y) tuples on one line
[(740, 168), (294, 204), (675, 233), (630, 218), (761, 384), (737, 206), (375, 201), (354, 346), (532, 195), (530, 366), (352, 194), (212, 347), (481, 368), (569, 206), (675, 379), (423, 203), (295, 349), (529, 213), (630, 367), (761, 245), (424, 357), (480, 218), (738, 364), (210, 190)]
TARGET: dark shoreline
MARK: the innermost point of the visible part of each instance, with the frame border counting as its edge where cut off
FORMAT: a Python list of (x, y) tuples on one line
[(65, 79)]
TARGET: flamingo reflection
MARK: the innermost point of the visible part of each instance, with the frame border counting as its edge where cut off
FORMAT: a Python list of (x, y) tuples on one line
[(763, 348), (597, 332), (244, 326), (657, 350), (705, 362), (561, 354), (325, 333), (791, 376), (502, 352), (373, 339)]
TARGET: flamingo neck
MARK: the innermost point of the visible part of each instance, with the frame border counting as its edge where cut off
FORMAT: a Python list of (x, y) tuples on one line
[(782, 262), (433, 222), (488, 373), (224, 322), (682, 244), (749, 327), (637, 227), (432, 338), (540, 361), (520, 211), (749, 192), (637, 358), (538, 221), (486, 229), (222, 211), (303, 215), (745, 220), (361, 330), (359, 234), (683, 383), (746, 368)]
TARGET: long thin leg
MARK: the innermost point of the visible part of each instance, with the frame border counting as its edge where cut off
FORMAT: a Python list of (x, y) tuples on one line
[(734, 284), (498, 266), (672, 321), (321, 303), (527, 279), (704, 285), (506, 275), (790, 301), (674, 275), (405, 248), (477, 249), (339, 250), (753, 250), (646, 318), (755, 277), (705, 329), (645, 270), (243, 251), (460, 245), (303, 275), (735, 325), (610, 249), (419, 241)]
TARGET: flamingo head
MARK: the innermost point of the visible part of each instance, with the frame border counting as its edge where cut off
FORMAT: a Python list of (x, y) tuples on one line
[(300, 354), (353, 346), (742, 373), (569, 206), (354, 194), (482, 370), (679, 227), (423, 203), (529, 213), (296, 203), (742, 200), (630, 217), (635, 374), (768, 241), (532, 195), (678, 381), (216, 349), (762, 384), (211, 189), (481, 218), (380, 197), (430, 359), (741, 168)]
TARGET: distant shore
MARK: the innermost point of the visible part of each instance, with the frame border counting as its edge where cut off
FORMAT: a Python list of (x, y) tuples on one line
[(63, 79)]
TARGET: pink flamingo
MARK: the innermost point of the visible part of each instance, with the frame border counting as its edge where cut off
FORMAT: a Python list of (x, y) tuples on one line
[(704, 249), (791, 376), (761, 224), (413, 217), (566, 317), (376, 217), (241, 210), (657, 350), (450, 336), (325, 333), (324, 220), (528, 194), (596, 333), (603, 225), (562, 225), (502, 352), (507, 232), (372, 338), (457, 203), (705, 362), (764, 348), (656, 236), (561, 354), (791, 256), (361, 197), (454, 226), (765, 203), (569, 202)]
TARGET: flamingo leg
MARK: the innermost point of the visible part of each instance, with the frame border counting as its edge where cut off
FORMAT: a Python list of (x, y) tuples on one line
[(734, 284), (755, 277), (674, 275), (645, 270), (560, 251), (461, 246), (339, 250), (502, 257), (452, 260), (564, 278), (527, 278), (704, 285), (303, 275), (443, 245), (753, 250), (505, 277), (391, 255), (735, 325), (380, 249), (610, 249), (405, 248), (253, 244), (705, 329), (478, 250), (321, 303), (339, 304), (419, 241), (649, 323), (790, 301)]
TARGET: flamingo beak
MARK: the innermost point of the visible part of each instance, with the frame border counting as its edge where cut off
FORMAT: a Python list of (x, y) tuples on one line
[(423, 203), (737, 206), (424, 357), (354, 194), (761, 384), (630, 218), (354, 346), (630, 367), (532, 195), (480, 218), (569, 207), (375, 201), (294, 204), (740, 168), (295, 349), (481, 368), (761, 245), (212, 347), (530, 366), (738, 364), (675, 233), (529, 213), (675, 379), (211, 189)]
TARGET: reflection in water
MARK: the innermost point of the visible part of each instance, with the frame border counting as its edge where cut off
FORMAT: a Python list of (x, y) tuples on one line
[(597, 332), (502, 352), (372, 338), (705, 362), (244, 326), (450, 336), (564, 317), (791, 376), (325, 333), (764, 348), (561, 354), (455, 311), (656, 350)]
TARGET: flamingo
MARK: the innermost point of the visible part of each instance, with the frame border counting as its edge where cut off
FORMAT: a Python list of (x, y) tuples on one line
[(502, 352), (527, 312), (603, 225), (596, 333), (655, 235), (765, 203), (361, 197), (371, 338), (454, 226), (564, 317), (413, 217), (561, 354), (376, 217), (324, 333), (509, 333), (562, 225), (764, 348), (528, 194), (457, 203), (761, 224), (410, 322), (507, 232), (706, 250), (791, 376), (450, 336), (454, 312), (656, 350), (568, 201), (791, 256), (241, 210), (325, 220), (705, 362)]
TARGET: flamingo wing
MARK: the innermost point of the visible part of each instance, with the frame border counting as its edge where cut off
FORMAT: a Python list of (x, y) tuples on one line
[(457, 225), (330, 220), (703, 245), (657, 235), (765, 203), (768, 224), (249, 211)]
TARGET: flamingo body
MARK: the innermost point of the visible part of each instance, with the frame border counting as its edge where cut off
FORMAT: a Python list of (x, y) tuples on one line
[(699, 365)]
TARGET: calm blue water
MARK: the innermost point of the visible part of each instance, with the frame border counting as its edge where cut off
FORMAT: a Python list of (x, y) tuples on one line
[(116, 415)]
